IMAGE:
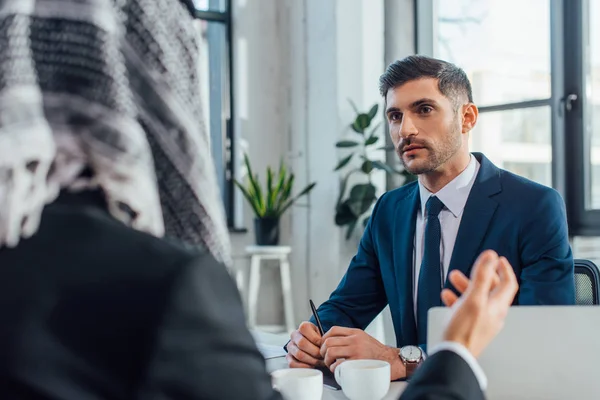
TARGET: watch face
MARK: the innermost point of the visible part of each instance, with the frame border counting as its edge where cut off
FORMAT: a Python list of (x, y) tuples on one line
[(411, 353)]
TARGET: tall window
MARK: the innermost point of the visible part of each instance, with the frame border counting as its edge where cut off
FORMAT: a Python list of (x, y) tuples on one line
[(582, 142), (591, 77), (506, 55), (213, 22), (535, 70)]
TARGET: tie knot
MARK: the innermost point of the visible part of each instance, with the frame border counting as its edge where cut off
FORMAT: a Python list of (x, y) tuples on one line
[(433, 206)]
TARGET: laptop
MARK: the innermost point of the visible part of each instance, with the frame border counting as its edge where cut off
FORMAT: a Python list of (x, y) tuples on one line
[(543, 352)]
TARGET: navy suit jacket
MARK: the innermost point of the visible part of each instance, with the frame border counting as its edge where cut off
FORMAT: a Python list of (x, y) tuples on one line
[(519, 219)]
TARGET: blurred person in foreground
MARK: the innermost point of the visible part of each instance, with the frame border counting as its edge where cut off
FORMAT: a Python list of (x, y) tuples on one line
[(102, 153)]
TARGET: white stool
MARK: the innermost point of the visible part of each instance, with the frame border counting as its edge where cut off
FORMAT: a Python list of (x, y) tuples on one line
[(261, 253)]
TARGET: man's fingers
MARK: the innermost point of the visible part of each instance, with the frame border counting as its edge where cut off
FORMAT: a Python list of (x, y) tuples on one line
[(495, 281), (301, 342), (336, 341), (449, 297), (483, 273), (310, 332), (301, 356), (339, 331), (335, 353), (507, 288), (459, 280), (336, 364), (293, 363)]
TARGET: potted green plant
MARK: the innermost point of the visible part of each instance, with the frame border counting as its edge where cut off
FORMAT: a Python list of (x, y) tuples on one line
[(356, 204), (269, 204)]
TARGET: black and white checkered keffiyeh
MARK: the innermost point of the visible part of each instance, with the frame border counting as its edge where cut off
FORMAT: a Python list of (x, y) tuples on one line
[(111, 87)]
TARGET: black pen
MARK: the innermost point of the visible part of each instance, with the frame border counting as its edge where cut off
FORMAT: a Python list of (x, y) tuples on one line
[(314, 311)]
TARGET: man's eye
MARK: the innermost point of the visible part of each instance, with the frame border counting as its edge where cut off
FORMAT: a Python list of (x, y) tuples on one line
[(426, 109), (395, 117)]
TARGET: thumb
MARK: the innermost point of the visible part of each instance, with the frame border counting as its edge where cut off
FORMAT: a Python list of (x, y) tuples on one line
[(483, 274)]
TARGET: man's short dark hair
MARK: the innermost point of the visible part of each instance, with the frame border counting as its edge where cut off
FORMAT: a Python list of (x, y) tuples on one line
[(453, 82)]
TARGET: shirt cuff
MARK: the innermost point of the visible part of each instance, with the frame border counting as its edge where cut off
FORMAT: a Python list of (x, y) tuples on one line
[(466, 355)]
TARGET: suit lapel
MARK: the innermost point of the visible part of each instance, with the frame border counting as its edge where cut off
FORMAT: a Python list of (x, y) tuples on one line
[(477, 215), (403, 242)]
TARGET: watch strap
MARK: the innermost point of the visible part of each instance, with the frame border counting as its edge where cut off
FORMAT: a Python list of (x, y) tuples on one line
[(411, 367)]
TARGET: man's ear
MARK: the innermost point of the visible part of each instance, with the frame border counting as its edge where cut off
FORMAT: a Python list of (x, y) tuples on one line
[(470, 113)]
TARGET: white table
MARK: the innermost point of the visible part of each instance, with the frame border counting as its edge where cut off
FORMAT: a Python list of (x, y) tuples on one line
[(396, 388)]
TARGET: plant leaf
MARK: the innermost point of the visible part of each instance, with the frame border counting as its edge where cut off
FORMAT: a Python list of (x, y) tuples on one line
[(346, 143), (362, 122), (343, 184), (304, 191), (281, 180), (357, 128), (371, 140), (343, 162), (353, 106), (351, 227), (248, 197), (257, 193), (252, 194), (343, 214), (270, 191), (387, 147), (285, 195), (367, 167), (373, 111), (361, 198), (387, 168)]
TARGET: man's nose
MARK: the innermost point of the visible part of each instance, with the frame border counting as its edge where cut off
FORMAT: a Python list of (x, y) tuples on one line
[(408, 128)]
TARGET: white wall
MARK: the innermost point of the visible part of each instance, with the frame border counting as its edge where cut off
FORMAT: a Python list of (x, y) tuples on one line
[(296, 64), (261, 113)]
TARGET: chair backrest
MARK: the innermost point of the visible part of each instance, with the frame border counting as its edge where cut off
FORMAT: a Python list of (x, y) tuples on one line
[(587, 283)]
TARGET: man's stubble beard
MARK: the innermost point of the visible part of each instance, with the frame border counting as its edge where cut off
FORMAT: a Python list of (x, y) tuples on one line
[(437, 157)]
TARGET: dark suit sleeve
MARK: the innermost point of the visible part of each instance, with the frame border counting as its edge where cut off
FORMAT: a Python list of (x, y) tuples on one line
[(360, 296), (443, 376), (203, 349), (547, 274)]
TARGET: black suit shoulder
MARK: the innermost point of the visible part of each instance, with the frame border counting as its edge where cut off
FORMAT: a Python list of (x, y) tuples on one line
[(82, 298), (90, 308), (443, 376)]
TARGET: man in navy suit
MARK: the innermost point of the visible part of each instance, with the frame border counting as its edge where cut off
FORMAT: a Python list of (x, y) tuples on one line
[(461, 205)]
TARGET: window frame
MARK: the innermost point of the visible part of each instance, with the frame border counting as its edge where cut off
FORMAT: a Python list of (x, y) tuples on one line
[(583, 221), (226, 169), (570, 161)]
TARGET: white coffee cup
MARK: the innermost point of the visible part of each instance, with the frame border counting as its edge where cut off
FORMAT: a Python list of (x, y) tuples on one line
[(364, 379), (298, 383)]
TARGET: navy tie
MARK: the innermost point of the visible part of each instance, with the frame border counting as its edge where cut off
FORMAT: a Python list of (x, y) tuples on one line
[(430, 275)]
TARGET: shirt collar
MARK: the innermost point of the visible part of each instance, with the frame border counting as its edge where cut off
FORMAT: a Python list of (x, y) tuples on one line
[(455, 194)]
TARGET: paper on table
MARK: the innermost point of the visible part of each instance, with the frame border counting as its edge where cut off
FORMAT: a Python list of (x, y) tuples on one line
[(270, 351)]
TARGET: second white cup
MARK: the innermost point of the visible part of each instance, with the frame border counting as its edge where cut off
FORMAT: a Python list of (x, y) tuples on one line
[(364, 379), (298, 384)]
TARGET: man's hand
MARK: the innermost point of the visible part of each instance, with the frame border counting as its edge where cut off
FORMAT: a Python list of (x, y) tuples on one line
[(480, 312), (303, 348), (340, 344)]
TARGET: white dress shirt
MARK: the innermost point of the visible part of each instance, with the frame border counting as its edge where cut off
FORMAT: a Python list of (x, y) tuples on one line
[(454, 196)]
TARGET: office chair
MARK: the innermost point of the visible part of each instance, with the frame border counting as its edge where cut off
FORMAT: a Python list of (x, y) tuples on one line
[(587, 283)]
